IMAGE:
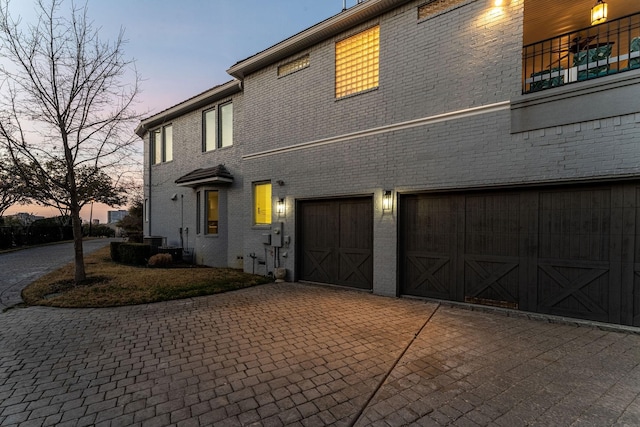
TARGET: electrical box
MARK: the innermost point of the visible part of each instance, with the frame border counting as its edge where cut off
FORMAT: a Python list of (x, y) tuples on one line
[(266, 239), (276, 234)]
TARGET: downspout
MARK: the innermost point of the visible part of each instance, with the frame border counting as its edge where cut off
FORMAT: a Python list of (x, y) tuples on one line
[(146, 216), (181, 220)]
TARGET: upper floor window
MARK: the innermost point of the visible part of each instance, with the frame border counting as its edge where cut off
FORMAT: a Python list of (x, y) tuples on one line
[(357, 62), (209, 131), (293, 66), (434, 7), (262, 203), (218, 127), (162, 142), (226, 125)]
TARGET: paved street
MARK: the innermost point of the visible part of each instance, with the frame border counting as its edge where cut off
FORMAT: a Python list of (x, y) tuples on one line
[(294, 354), (19, 268)]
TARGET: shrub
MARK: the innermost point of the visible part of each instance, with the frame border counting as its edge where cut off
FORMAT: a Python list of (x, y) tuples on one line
[(160, 260), (135, 237), (134, 253), (114, 250)]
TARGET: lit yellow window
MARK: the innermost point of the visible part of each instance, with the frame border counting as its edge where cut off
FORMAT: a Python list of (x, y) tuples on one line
[(262, 203), (212, 212), (357, 60)]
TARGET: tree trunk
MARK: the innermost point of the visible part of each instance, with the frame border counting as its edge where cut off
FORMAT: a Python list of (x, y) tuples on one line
[(80, 273)]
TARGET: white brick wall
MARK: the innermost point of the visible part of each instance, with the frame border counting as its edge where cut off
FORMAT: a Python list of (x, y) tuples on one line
[(450, 63)]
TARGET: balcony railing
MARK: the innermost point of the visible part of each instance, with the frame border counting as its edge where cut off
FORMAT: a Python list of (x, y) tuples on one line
[(598, 51)]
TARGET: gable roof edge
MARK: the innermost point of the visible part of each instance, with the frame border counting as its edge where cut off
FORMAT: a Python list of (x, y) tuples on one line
[(202, 99), (330, 27)]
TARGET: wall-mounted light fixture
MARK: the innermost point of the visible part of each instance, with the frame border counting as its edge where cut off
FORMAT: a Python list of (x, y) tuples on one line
[(387, 201), (599, 12), (280, 205)]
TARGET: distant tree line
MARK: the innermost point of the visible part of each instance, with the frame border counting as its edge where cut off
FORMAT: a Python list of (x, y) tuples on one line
[(14, 233)]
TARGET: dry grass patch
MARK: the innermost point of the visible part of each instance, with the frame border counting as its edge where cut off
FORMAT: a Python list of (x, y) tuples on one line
[(110, 284)]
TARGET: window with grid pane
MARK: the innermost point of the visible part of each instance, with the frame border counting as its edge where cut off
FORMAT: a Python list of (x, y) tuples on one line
[(293, 66), (434, 7), (357, 62)]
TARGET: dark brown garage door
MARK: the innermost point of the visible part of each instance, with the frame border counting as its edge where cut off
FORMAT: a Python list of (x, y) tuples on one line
[(336, 242), (570, 252)]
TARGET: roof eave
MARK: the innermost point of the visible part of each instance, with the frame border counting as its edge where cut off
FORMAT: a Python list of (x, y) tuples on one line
[(199, 182), (349, 18), (198, 101)]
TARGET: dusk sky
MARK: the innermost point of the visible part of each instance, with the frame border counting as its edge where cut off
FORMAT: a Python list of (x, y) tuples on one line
[(182, 48)]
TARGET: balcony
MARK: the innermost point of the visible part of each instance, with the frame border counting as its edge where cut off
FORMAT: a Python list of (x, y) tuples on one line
[(588, 53)]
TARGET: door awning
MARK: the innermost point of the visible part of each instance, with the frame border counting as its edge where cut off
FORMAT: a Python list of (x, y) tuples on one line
[(215, 175)]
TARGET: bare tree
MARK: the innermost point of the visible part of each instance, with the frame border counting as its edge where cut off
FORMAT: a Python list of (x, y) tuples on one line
[(66, 107), (12, 190)]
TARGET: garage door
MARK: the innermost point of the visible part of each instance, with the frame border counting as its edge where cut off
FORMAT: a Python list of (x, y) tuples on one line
[(570, 251), (336, 242)]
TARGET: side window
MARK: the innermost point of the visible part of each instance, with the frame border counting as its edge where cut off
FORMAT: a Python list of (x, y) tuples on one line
[(198, 214), (212, 212), (162, 145), (156, 141), (262, 203)]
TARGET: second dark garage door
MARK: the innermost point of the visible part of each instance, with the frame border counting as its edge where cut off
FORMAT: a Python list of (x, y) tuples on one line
[(336, 241), (570, 251)]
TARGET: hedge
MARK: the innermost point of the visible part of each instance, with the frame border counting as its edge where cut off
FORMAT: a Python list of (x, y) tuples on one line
[(134, 253)]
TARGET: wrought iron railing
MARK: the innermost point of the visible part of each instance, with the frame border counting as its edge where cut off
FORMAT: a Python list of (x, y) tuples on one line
[(601, 50)]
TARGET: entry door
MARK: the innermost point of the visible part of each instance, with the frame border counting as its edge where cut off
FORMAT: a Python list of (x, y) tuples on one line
[(336, 241)]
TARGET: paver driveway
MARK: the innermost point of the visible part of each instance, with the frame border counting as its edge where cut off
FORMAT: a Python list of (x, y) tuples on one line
[(293, 354)]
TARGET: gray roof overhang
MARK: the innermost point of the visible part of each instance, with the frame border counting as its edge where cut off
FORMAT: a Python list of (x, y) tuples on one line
[(324, 30), (201, 100), (215, 175)]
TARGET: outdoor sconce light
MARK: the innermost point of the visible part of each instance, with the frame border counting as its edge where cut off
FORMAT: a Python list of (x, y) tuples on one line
[(280, 207), (387, 201), (599, 12)]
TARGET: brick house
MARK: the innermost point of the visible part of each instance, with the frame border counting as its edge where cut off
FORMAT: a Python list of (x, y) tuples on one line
[(469, 150)]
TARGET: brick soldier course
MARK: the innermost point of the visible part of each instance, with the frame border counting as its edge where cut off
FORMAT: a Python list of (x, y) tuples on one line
[(293, 354)]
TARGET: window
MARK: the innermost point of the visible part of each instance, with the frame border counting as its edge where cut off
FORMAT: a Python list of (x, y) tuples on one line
[(262, 203), (146, 210), (157, 146), (162, 141), (210, 131), (217, 127), (436, 6), (226, 125), (198, 214), (212, 212), (293, 66), (357, 62)]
